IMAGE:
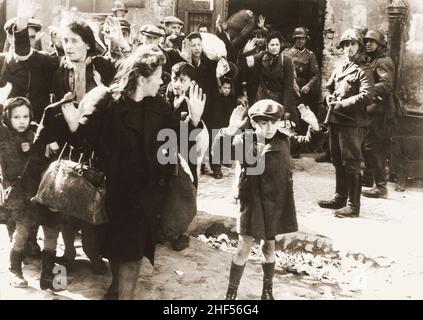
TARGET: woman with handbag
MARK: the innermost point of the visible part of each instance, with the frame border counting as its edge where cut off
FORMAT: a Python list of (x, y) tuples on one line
[(122, 125), (78, 71)]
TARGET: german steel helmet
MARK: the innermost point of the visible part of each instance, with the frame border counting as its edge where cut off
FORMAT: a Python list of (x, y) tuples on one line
[(351, 35), (300, 32), (378, 36)]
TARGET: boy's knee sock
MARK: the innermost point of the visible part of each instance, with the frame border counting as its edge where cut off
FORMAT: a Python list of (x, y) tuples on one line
[(235, 275), (268, 272)]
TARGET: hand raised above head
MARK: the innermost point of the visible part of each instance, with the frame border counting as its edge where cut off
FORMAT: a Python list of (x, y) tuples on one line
[(196, 103), (250, 46), (185, 53), (239, 118), (26, 10)]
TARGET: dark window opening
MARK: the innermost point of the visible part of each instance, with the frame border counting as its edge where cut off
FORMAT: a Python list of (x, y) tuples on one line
[(196, 18)]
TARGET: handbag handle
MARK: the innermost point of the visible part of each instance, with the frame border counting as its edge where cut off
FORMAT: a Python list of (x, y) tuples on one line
[(81, 157), (63, 150)]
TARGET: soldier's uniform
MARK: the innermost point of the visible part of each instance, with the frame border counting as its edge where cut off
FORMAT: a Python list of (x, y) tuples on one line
[(306, 74), (307, 70), (381, 115), (352, 85)]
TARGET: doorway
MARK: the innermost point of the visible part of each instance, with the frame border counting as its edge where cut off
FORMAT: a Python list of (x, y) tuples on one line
[(285, 15)]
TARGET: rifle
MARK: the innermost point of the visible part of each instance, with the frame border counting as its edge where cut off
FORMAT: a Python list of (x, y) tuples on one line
[(330, 110)]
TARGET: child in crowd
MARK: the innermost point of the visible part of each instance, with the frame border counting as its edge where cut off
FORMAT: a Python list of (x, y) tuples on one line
[(182, 79), (16, 136), (265, 187)]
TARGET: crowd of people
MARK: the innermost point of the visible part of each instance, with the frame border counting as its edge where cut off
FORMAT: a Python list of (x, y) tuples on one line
[(112, 90)]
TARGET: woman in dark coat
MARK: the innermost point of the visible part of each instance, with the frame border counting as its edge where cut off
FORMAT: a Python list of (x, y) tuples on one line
[(276, 75), (77, 72), (122, 125)]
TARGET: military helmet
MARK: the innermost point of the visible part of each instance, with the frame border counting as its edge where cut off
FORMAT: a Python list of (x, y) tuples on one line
[(351, 35), (300, 32), (378, 36)]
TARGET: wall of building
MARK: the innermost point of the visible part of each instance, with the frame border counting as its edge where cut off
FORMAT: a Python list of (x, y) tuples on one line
[(411, 84), (344, 14), (140, 11)]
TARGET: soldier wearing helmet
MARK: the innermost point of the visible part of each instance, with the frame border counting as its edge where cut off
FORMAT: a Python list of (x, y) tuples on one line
[(306, 69), (347, 94), (381, 113), (119, 9)]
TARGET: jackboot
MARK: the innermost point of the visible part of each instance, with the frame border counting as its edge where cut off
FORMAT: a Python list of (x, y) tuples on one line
[(341, 191), (379, 191), (352, 209)]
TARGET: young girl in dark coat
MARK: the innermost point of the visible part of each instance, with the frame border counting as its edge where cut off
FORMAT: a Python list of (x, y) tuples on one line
[(265, 187), (16, 136)]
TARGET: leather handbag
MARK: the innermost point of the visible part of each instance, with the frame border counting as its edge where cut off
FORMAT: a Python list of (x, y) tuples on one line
[(75, 189)]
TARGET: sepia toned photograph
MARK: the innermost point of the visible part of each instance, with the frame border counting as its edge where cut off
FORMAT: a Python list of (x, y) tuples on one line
[(211, 150)]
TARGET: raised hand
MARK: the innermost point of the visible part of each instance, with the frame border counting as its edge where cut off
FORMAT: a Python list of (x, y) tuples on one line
[(250, 46), (185, 53), (261, 21), (196, 103), (238, 120), (113, 30), (218, 25), (309, 117), (26, 10)]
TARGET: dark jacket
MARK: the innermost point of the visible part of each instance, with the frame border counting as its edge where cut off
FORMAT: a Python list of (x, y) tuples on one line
[(124, 135), (276, 81), (306, 68), (53, 69), (26, 83), (231, 50), (15, 149), (384, 75), (205, 75), (267, 206), (352, 85)]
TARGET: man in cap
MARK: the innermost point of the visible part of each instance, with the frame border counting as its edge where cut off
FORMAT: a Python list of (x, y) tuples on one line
[(174, 35), (150, 34), (119, 9), (381, 115)]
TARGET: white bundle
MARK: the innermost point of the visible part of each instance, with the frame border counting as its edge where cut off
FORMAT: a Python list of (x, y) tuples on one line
[(213, 47)]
